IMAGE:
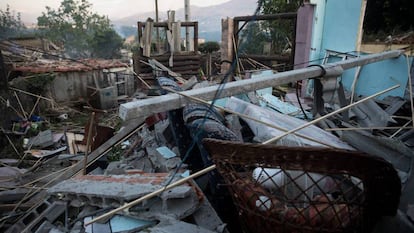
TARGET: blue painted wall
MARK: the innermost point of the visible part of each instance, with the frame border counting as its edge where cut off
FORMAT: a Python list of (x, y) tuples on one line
[(341, 25), (335, 27), (379, 76)]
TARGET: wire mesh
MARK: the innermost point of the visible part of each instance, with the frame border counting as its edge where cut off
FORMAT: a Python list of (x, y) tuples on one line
[(282, 189)]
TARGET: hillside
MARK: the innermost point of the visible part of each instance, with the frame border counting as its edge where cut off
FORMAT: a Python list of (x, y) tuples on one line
[(209, 18)]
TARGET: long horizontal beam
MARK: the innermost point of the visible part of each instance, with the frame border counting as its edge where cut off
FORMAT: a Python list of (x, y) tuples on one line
[(291, 15), (144, 108)]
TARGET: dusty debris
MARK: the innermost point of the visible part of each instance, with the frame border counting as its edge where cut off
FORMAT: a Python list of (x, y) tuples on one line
[(156, 171)]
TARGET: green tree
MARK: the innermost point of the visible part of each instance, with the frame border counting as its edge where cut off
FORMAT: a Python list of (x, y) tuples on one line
[(106, 43), (279, 33), (254, 38), (279, 6), (389, 16), (83, 33), (11, 24), (209, 47)]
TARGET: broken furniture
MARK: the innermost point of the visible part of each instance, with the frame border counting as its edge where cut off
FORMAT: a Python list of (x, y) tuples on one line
[(308, 189)]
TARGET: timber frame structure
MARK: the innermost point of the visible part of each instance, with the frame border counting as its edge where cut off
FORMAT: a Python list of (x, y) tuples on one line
[(186, 63), (265, 59)]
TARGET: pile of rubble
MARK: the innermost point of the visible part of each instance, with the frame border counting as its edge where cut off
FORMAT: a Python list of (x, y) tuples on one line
[(154, 171)]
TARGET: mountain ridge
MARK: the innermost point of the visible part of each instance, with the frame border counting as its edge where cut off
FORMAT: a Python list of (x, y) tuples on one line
[(209, 18)]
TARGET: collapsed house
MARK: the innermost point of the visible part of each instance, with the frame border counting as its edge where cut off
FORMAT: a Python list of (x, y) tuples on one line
[(184, 156)]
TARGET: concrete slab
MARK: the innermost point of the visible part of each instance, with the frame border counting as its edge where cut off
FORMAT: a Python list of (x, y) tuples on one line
[(47, 211), (13, 195), (114, 190)]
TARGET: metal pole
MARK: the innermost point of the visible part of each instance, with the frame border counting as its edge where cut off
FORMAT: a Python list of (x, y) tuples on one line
[(146, 107), (157, 41), (156, 10), (187, 19)]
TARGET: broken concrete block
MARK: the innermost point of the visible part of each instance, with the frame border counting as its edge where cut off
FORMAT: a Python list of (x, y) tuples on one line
[(114, 168), (159, 160), (114, 190), (47, 211), (143, 164), (13, 195), (103, 98), (190, 83), (172, 163)]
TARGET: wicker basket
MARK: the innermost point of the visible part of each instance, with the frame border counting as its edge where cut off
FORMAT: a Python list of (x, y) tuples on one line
[(296, 189)]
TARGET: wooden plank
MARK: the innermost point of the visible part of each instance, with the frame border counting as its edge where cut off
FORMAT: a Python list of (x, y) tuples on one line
[(128, 130)]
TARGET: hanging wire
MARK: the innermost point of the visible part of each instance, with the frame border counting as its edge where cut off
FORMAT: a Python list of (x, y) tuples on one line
[(211, 106)]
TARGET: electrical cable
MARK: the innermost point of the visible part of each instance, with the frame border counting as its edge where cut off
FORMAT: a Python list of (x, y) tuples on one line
[(299, 102), (217, 95), (200, 127)]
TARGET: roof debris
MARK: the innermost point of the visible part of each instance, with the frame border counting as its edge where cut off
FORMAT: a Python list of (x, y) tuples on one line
[(100, 146)]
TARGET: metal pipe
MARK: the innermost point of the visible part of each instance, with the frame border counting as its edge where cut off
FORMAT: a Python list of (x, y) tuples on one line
[(187, 19), (156, 10)]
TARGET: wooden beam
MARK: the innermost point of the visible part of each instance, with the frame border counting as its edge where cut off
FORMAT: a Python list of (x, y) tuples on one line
[(144, 108), (128, 130), (289, 15)]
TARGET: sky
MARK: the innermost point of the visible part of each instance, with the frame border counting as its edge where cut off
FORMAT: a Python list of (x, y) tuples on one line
[(115, 9)]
